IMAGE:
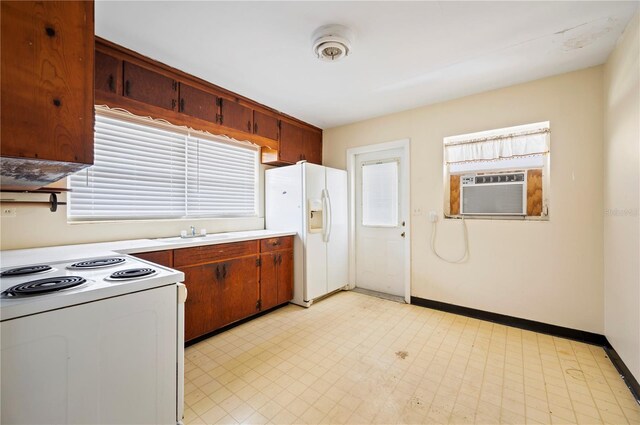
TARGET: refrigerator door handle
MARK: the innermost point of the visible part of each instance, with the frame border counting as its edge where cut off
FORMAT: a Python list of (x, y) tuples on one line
[(329, 214), (325, 224)]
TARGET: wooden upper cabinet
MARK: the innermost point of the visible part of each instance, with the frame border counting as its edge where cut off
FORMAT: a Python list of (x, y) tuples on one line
[(291, 143), (108, 73), (265, 125), (150, 87), (46, 80), (198, 103), (235, 115), (312, 146)]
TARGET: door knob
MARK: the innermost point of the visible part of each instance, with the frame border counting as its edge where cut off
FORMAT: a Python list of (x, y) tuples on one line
[(402, 234)]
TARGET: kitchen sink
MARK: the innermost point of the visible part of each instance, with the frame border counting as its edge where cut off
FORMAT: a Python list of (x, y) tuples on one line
[(212, 236)]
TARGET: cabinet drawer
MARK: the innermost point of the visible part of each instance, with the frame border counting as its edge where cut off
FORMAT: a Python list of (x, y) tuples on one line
[(275, 244), (164, 258), (212, 253)]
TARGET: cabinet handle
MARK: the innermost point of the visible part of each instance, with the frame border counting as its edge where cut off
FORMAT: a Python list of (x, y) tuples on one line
[(255, 127), (275, 259), (127, 88), (111, 86), (174, 84), (218, 272), (249, 126), (173, 104), (279, 258), (224, 271), (182, 105)]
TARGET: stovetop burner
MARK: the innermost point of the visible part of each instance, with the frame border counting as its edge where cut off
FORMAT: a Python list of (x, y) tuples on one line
[(128, 274), (26, 270), (97, 263), (43, 286)]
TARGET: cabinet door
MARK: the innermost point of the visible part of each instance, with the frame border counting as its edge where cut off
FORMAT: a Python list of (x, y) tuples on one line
[(47, 80), (150, 87), (198, 103), (291, 142), (108, 73), (313, 146), (265, 125), (240, 288), (235, 115), (202, 313), (268, 280), (285, 276)]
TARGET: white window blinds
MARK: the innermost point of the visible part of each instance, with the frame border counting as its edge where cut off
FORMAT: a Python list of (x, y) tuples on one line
[(144, 171), (221, 179)]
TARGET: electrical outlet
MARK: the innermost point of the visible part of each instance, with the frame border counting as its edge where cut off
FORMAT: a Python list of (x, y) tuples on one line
[(417, 211), (433, 216), (8, 212)]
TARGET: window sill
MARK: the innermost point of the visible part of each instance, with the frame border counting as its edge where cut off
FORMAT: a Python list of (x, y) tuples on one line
[(498, 217)]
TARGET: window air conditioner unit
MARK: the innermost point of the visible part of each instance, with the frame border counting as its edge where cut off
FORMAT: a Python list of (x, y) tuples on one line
[(493, 194)]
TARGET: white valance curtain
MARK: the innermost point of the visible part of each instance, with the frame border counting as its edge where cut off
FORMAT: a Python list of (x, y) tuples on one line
[(497, 146)]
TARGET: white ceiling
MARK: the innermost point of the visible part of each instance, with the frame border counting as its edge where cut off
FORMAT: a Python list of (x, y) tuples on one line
[(405, 54)]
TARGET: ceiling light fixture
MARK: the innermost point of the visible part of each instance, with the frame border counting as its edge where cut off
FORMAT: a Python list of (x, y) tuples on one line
[(331, 42)]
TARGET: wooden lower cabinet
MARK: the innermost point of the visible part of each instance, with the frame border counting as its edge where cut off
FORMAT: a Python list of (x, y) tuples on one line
[(202, 312), (240, 290), (230, 282), (276, 278)]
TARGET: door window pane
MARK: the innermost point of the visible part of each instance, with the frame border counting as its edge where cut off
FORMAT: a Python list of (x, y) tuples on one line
[(380, 194)]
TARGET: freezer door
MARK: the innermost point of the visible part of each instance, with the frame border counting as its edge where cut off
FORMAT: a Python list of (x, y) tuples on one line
[(337, 234), (315, 255)]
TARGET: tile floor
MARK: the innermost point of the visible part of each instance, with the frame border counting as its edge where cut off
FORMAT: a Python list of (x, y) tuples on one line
[(356, 359)]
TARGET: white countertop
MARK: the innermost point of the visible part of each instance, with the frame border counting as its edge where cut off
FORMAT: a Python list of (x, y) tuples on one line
[(20, 257)]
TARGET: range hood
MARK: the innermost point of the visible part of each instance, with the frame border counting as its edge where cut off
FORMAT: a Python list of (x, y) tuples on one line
[(31, 174)]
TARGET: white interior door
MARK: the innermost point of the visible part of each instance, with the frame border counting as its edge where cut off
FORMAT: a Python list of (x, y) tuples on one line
[(380, 222)]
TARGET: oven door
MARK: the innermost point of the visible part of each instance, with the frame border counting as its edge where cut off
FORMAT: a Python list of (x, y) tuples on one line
[(111, 361)]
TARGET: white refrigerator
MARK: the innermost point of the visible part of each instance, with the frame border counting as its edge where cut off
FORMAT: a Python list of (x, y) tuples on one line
[(311, 200)]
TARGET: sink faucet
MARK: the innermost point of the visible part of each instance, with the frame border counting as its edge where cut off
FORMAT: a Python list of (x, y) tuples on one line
[(193, 231)]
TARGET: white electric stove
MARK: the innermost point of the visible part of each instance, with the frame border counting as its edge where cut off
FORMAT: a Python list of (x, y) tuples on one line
[(92, 341)]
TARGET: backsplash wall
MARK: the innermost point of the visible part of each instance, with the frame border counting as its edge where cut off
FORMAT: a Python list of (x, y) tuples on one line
[(36, 226)]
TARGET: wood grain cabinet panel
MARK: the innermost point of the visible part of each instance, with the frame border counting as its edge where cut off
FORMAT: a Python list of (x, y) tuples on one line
[(108, 73), (150, 87), (268, 280), (275, 244), (163, 258), (46, 80), (240, 292), (202, 312), (285, 276), (236, 116), (198, 103), (312, 147), (265, 125), (291, 143), (212, 253)]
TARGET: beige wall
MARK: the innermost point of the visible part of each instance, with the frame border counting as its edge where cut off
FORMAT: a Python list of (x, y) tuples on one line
[(621, 198), (546, 271), (36, 226)]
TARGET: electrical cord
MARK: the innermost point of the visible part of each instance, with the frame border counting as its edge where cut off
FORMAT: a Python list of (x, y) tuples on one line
[(465, 255)]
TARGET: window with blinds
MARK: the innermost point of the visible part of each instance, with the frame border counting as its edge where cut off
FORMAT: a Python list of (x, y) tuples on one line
[(142, 171)]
